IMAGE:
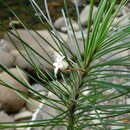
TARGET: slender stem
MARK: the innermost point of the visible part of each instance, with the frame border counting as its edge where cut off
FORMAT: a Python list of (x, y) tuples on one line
[(72, 117), (72, 108)]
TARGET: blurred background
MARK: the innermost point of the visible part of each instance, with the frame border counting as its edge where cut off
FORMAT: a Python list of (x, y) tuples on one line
[(26, 13), (10, 57)]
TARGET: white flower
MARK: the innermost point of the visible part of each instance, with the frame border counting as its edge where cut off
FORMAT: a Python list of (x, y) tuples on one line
[(59, 62)]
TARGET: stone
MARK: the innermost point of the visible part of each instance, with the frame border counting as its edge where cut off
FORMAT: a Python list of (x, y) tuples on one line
[(123, 11), (32, 105), (84, 15), (6, 59), (0, 106), (129, 5), (3, 46), (73, 47), (60, 24), (128, 101), (76, 1), (75, 27), (4, 117), (12, 102), (43, 49), (121, 21), (21, 128), (45, 112), (126, 10), (19, 59), (79, 34), (32, 39), (117, 127), (23, 109), (120, 12), (38, 44), (41, 115), (39, 87), (23, 116)]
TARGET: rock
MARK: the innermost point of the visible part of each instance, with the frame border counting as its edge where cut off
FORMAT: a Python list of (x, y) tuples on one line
[(44, 112), (43, 49), (6, 59), (4, 117), (117, 127), (129, 5), (121, 21), (22, 110), (0, 106), (23, 115), (123, 11), (3, 46), (23, 63), (39, 45), (41, 115), (38, 115), (12, 102), (79, 34), (124, 53), (19, 59), (32, 39), (60, 24), (39, 88), (72, 45), (21, 128), (128, 101), (32, 105), (76, 1), (84, 15)]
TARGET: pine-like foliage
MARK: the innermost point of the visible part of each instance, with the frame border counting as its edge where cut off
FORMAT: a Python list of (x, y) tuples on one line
[(97, 76)]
